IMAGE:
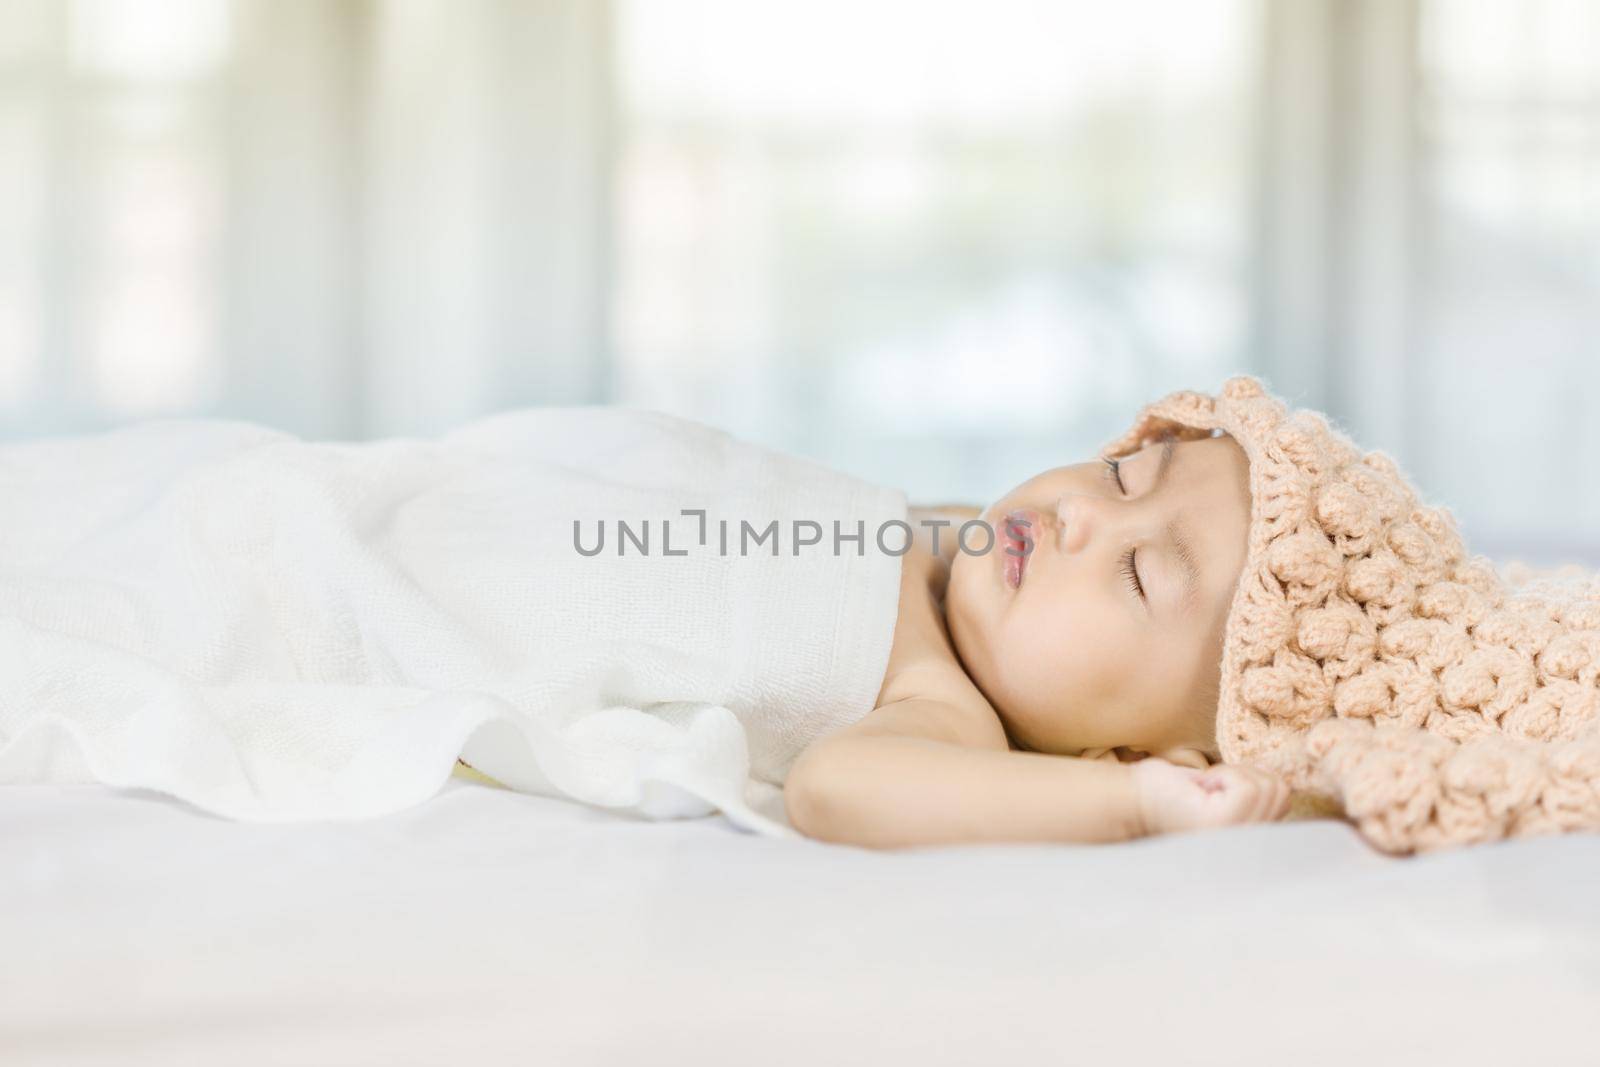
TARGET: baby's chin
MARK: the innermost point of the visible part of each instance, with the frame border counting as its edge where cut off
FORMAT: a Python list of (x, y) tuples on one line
[(963, 619), (962, 612)]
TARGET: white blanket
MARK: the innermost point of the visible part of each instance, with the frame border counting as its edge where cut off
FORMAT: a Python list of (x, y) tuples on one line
[(273, 629), (489, 927)]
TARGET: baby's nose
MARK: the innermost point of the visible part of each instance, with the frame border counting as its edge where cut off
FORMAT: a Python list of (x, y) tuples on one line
[(1075, 518)]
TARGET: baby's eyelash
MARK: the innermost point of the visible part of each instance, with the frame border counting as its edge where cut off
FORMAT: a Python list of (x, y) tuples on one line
[(1114, 472), (1130, 573)]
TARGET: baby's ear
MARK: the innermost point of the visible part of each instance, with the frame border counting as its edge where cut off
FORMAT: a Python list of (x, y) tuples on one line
[(1184, 756)]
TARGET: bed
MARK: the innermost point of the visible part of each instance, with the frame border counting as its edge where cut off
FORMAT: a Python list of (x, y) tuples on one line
[(489, 926)]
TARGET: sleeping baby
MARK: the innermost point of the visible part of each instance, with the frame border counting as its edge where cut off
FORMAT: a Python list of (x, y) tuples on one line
[(1064, 687), (1231, 605)]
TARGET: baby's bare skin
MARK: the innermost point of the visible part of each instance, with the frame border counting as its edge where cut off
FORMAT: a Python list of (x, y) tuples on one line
[(933, 762), (922, 662)]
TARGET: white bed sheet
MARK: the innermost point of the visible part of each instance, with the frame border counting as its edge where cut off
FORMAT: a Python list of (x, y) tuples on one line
[(488, 926)]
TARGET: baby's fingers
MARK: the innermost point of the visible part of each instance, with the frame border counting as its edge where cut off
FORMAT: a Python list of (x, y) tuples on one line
[(1226, 796), (1281, 796), (1272, 796), (1244, 794)]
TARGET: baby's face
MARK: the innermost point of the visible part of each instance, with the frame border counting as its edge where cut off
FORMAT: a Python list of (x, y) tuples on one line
[(1108, 636)]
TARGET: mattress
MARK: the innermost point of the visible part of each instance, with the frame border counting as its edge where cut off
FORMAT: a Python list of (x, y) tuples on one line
[(489, 926)]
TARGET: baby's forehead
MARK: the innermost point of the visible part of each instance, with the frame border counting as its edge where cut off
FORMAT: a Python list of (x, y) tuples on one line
[(1220, 454), (1214, 440), (1213, 457), (1217, 473)]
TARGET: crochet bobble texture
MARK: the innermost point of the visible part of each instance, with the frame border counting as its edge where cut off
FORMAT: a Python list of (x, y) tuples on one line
[(1372, 661)]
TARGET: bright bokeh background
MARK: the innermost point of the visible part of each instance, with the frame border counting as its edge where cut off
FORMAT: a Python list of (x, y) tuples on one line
[(940, 245)]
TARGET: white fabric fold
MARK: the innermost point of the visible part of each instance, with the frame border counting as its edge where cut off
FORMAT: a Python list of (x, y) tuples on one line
[(275, 629)]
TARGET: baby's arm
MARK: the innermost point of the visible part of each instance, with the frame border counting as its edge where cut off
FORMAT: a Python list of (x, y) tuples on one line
[(919, 772), (903, 776)]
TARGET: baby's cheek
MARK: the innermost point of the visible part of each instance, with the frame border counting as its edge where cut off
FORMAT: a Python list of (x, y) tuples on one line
[(1047, 655), (1094, 661), (1055, 683)]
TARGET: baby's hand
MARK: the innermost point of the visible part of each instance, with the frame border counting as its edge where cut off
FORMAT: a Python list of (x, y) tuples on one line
[(1174, 798)]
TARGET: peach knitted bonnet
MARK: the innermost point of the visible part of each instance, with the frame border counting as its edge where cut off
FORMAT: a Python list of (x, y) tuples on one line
[(1373, 662)]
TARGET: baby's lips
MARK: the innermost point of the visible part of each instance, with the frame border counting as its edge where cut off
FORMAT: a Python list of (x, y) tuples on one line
[(1019, 528)]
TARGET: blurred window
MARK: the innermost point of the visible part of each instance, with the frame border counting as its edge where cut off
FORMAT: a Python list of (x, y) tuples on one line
[(111, 179), (934, 243), (1508, 308)]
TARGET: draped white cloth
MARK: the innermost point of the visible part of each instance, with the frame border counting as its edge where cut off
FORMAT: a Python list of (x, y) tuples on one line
[(276, 629)]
